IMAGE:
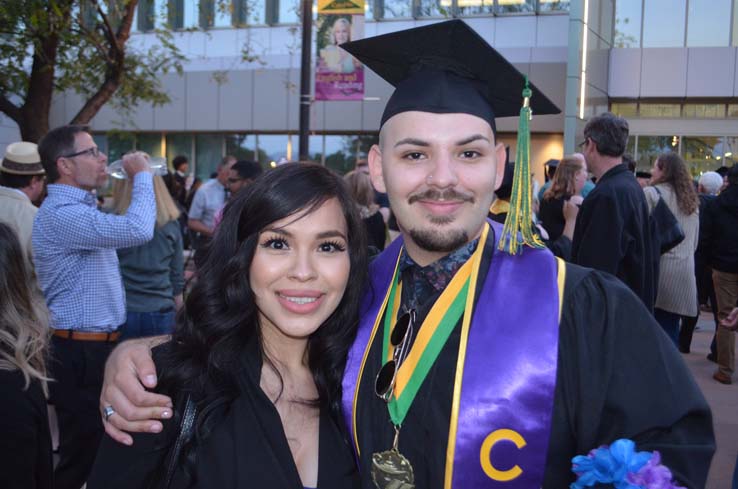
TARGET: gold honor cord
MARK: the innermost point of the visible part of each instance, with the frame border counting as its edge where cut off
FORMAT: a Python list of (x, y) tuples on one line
[(368, 347)]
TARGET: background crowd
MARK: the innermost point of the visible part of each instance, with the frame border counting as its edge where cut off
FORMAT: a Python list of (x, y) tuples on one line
[(75, 279)]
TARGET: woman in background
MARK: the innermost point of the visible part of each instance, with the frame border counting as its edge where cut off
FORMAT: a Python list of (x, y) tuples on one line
[(677, 291), (153, 274), (360, 185), (25, 439), (567, 182)]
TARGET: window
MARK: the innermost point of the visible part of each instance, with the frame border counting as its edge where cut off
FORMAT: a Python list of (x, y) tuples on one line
[(624, 109), (732, 110), (708, 23), (650, 147), (337, 154), (288, 11), (215, 13), (369, 9), (663, 22), (553, 5), (190, 15), (208, 154), (434, 8), (701, 153), (630, 146), (730, 151), (272, 149), (735, 24), (249, 12), (515, 6), (628, 23), (223, 15), (704, 111), (119, 144), (179, 144), (149, 143), (660, 110), (242, 146), (315, 148), (472, 7), (396, 9)]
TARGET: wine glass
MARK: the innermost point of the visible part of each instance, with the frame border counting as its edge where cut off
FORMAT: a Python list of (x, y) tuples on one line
[(157, 166)]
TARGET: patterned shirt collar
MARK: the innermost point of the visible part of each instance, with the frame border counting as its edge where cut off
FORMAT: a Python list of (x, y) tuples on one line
[(74, 194), (430, 279)]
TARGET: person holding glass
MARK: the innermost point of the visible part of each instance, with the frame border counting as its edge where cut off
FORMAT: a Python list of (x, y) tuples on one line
[(77, 268)]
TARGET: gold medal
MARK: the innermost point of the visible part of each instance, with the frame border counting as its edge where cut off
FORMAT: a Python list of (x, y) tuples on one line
[(391, 470)]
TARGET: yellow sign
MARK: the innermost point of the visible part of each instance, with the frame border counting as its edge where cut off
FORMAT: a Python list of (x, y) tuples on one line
[(486, 452), (341, 7)]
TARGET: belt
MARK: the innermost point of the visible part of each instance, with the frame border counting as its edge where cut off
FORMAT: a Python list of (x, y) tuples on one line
[(85, 336)]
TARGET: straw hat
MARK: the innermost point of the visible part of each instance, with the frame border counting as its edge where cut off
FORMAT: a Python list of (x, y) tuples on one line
[(22, 159)]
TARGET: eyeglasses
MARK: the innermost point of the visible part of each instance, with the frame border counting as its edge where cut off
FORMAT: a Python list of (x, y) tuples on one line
[(234, 180), (582, 143), (400, 340), (94, 152)]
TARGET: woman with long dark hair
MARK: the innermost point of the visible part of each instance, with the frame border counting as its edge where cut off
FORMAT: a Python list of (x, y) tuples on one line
[(25, 439), (677, 291), (260, 346)]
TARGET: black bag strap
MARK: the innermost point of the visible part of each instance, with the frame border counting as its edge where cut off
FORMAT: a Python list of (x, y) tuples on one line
[(188, 419)]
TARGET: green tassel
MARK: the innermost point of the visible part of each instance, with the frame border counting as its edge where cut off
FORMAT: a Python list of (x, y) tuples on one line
[(519, 229)]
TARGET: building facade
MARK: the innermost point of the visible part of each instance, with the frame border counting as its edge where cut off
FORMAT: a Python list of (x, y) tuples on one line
[(669, 66)]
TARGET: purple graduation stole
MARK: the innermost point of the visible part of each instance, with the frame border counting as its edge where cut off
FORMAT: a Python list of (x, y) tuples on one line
[(506, 370)]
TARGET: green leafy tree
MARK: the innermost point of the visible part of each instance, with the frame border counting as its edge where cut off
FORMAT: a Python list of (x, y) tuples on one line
[(49, 46)]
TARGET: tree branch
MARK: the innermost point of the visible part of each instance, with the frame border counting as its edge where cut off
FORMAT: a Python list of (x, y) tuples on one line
[(10, 109)]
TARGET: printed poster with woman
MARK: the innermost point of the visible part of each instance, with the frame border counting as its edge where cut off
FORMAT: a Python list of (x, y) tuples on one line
[(338, 75)]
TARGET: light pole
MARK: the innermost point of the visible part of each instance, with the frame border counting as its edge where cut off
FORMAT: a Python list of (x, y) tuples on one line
[(305, 66)]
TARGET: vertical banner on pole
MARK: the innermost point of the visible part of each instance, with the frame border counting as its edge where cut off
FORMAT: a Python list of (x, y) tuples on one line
[(338, 76)]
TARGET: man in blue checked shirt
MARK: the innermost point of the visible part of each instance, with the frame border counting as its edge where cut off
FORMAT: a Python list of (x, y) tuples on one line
[(74, 248)]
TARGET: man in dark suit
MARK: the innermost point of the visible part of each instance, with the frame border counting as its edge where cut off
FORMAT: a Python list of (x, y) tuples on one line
[(613, 230)]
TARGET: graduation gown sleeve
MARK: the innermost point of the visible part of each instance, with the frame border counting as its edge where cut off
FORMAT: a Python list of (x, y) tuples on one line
[(619, 376)]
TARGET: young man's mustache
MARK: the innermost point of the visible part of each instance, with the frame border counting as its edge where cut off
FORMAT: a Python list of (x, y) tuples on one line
[(433, 194)]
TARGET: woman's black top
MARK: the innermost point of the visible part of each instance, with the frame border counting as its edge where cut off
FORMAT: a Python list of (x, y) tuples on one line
[(25, 439), (247, 448), (551, 215)]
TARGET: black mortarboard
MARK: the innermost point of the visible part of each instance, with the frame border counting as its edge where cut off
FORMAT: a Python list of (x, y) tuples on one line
[(446, 68)]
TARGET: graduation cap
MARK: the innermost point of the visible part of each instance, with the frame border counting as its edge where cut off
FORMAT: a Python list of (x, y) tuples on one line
[(448, 68)]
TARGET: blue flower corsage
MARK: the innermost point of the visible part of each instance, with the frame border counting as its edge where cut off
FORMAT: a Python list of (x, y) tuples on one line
[(620, 465)]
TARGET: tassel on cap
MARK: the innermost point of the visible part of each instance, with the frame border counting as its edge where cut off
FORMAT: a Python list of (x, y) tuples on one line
[(519, 229)]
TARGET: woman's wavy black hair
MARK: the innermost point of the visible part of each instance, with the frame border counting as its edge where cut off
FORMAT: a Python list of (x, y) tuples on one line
[(220, 314)]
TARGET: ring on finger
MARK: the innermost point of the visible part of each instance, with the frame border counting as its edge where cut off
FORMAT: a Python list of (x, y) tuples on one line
[(108, 411)]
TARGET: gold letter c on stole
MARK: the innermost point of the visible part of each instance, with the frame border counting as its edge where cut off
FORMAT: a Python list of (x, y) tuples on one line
[(486, 452)]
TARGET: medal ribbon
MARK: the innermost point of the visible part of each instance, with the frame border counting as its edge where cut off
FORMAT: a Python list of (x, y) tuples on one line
[(431, 337)]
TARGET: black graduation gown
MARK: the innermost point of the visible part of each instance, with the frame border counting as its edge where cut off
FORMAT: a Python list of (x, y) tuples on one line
[(618, 376), (247, 448), (25, 438), (614, 234)]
